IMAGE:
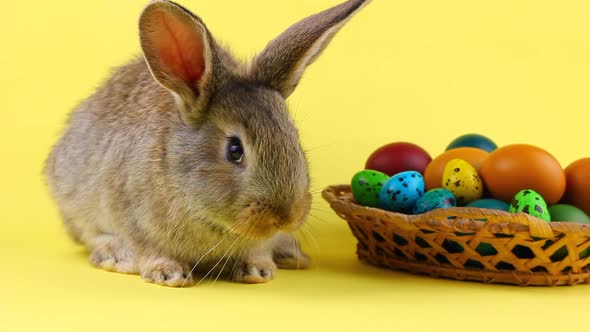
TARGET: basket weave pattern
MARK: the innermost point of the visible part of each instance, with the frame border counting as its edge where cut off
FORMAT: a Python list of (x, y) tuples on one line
[(468, 243)]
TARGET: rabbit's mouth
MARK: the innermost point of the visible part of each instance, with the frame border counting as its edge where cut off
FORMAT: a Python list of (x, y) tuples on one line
[(261, 221)]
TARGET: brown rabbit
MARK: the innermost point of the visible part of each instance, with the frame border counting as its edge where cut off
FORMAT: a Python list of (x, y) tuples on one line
[(186, 157)]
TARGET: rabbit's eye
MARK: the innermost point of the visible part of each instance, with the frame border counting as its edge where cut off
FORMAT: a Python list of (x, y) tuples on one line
[(235, 151)]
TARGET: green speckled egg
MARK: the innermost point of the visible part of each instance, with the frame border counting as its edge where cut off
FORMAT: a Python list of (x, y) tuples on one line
[(530, 202), (439, 198), (565, 212), (366, 186), (462, 180)]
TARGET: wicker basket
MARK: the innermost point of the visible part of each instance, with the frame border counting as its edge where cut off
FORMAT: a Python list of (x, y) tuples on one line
[(468, 243)]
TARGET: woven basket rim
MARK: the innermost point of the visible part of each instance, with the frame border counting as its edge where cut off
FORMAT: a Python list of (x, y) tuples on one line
[(468, 219)]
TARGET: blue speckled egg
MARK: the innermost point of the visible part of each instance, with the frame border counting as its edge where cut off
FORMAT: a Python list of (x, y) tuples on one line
[(439, 198), (401, 192)]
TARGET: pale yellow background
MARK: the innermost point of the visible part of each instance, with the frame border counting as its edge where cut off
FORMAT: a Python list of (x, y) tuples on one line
[(419, 71)]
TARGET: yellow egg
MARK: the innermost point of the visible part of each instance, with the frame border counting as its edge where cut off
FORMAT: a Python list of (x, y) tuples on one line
[(462, 180)]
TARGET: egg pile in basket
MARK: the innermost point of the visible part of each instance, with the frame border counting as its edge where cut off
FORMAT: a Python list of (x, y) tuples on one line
[(476, 212)]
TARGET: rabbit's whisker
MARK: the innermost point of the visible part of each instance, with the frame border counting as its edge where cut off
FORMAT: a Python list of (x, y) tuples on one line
[(298, 251), (219, 261), (318, 219), (294, 242), (317, 208), (323, 146), (201, 258), (237, 260), (224, 264), (230, 256), (307, 234), (236, 226), (311, 227)]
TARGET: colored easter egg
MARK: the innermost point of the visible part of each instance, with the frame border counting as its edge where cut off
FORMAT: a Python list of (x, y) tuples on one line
[(565, 212), (398, 157), (402, 191), (511, 168), (434, 172), (366, 186), (490, 203), (439, 198), (462, 180), (578, 184), (530, 202), (474, 141)]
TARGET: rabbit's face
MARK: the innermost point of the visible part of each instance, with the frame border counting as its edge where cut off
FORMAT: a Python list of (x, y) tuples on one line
[(238, 154), (248, 168)]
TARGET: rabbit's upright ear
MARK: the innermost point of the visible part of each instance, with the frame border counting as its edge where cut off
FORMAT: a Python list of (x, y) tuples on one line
[(284, 59), (181, 55)]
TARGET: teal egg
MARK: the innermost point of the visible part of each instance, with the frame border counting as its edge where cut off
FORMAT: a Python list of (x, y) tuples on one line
[(439, 198), (490, 203), (473, 141), (565, 212), (366, 186), (530, 202)]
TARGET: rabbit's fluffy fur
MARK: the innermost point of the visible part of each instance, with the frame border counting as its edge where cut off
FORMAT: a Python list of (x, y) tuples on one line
[(142, 175)]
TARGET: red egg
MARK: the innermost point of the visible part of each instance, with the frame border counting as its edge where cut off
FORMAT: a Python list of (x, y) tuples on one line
[(399, 157)]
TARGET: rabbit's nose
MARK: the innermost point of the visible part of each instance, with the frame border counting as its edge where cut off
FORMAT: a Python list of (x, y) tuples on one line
[(283, 214), (290, 216)]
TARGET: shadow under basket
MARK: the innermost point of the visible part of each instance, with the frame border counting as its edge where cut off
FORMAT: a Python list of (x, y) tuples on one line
[(474, 244)]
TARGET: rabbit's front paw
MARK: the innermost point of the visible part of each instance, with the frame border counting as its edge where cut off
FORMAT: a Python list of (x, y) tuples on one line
[(291, 260), (255, 272), (166, 272), (111, 254), (287, 253)]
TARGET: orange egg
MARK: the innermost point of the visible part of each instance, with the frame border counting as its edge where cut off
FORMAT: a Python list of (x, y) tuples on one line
[(513, 168), (578, 184), (434, 171)]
